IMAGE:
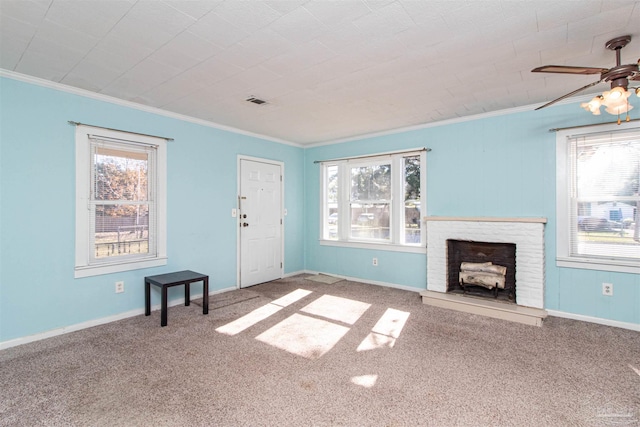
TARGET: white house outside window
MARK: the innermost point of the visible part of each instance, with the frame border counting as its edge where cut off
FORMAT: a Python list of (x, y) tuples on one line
[(120, 201), (374, 200), (598, 198)]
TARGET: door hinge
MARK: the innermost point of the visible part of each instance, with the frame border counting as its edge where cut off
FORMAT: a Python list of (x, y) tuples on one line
[(280, 265)]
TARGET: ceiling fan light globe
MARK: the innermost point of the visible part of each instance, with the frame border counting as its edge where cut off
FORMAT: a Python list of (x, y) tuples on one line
[(617, 92), (620, 109), (593, 106), (616, 97)]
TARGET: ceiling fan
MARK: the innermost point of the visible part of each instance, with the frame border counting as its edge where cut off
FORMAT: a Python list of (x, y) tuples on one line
[(616, 99)]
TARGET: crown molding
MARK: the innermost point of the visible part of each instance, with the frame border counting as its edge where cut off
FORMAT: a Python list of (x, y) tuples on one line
[(514, 110), (113, 100), (141, 107)]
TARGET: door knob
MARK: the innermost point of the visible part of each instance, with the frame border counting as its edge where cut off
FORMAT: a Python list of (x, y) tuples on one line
[(244, 224)]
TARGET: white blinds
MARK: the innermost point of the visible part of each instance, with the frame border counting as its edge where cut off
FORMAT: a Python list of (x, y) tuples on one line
[(604, 202)]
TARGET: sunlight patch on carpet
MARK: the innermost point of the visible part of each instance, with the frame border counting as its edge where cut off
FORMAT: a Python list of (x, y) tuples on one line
[(344, 310), (304, 336), (391, 323), (262, 313), (374, 341), (291, 297), (366, 381), (386, 331), (249, 320)]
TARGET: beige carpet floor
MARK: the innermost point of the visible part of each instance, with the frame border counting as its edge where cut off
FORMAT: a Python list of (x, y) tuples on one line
[(296, 352)]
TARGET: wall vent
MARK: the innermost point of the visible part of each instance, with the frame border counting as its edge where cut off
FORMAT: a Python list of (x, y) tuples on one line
[(256, 100)]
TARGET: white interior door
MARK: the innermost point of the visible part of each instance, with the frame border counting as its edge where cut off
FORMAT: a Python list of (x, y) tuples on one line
[(260, 222)]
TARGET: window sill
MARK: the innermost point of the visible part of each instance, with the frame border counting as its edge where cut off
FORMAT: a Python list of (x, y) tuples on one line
[(599, 264), (377, 246), (97, 270)]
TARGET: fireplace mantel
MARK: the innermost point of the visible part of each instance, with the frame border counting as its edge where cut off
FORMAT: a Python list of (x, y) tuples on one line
[(485, 219)]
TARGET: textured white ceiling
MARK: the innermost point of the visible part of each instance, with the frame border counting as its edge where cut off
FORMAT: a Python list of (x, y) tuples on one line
[(329, 70)]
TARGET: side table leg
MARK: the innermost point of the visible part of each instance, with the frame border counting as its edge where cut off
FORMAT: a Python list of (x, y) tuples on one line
[(163, 309), (147, 298), (187, 294), (205, 296)]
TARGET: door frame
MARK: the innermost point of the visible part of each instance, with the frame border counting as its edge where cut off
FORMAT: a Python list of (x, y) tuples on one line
[(239, 219)]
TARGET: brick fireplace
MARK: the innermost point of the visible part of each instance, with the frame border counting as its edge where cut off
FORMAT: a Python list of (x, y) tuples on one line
[(528, 236)]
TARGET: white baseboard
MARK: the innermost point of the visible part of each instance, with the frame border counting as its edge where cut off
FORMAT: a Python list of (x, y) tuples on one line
[(95, 322), (599, 320), (367, 281)]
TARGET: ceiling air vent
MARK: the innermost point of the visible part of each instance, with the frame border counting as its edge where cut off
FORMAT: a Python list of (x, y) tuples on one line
[(256, 100)]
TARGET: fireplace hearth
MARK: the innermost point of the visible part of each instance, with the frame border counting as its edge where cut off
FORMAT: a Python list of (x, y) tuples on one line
[(490, 269)]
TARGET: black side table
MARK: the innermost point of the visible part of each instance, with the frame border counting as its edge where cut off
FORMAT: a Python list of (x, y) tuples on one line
[(165, 281)]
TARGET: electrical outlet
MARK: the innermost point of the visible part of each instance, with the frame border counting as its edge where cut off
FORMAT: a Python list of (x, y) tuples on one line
[(607, 289), (375, 262), (119, 287)]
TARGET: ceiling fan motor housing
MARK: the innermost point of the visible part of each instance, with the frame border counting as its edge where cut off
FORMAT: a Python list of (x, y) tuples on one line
[(621, 82)]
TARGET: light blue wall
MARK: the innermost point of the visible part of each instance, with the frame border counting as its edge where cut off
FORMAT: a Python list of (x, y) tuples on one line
[(496, 166), (500, 166), (38, 291)]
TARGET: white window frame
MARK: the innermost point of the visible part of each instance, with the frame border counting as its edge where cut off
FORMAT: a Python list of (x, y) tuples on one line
[(564, 258), (396, 224), (84, 265)]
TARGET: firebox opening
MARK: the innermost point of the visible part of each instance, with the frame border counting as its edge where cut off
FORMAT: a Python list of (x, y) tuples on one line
[(484, 259)]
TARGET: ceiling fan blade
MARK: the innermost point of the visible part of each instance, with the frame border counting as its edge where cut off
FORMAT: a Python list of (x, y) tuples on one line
[(569, 70), (569, 94)]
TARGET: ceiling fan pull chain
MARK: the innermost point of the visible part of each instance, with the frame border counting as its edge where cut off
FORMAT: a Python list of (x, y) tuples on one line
[(628, 119)]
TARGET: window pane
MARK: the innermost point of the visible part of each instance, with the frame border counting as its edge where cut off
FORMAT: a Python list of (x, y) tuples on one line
[(606, 170), (363, 197), (371, 182), (370, 196), (120, 174), (121, 230), (331, 209), (370, 221), (412, 199), (607, 200)]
